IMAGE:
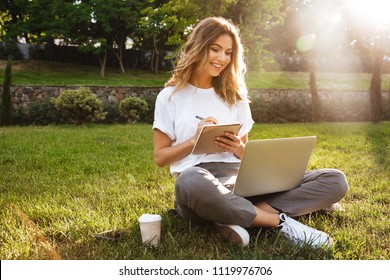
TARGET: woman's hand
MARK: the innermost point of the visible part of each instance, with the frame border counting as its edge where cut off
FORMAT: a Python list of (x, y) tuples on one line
[(208, 120), (164, 153), (232, 143)]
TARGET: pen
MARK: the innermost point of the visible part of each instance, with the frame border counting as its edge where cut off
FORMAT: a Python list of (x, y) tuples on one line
[(199, 118)]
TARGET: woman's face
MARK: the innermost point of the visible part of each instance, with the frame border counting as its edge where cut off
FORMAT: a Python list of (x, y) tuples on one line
[(219, 56)]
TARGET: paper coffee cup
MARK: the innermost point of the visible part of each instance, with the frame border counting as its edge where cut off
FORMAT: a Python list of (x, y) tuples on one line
[(150, 226)]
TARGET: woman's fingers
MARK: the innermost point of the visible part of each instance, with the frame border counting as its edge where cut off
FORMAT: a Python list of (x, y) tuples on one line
[(230, 142)]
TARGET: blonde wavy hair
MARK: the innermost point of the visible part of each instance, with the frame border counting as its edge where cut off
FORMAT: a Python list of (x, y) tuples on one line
[(230, 84)]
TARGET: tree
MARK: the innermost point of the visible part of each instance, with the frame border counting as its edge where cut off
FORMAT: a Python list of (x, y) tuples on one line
[(6, 102), (339, 29), (13, 18), (255, 18), (4, 19), (38, 21), (124, 23), (102, 26), (167, 22), (174, 20), (111, 23), (90, 30), (315, 100), (96, 26), (152, 30), (375, 91), (370, 31), (308, 25)]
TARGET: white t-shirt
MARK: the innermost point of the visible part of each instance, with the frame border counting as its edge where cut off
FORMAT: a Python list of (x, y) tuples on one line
[(175, 116)]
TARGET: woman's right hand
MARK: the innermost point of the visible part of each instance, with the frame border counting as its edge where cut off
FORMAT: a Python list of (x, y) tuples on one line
[(164, 153), (208, 120)]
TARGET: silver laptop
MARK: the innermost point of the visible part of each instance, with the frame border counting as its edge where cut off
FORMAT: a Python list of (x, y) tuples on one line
[(273, 165)]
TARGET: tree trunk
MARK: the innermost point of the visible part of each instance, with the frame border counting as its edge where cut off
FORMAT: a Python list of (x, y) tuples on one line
[(237, 15), (6, 99), (316, 106), (375, 88), (388, 103), (155, 56), (103, 61), (119, 54), (123, 71)]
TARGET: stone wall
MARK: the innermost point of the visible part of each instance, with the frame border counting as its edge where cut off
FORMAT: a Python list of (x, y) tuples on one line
[(23, 95), (336, 105), (291, 105)]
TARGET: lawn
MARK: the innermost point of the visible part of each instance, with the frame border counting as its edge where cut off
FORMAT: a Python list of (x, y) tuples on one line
[(62, 74), (61, 185), (52, 73)]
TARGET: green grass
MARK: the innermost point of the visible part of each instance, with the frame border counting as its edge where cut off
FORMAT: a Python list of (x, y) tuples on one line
[(51, 73), (74, 182), (325, 81), (60, 74)]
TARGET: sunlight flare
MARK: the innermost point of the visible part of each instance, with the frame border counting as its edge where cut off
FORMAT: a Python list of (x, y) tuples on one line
[(374, 11)]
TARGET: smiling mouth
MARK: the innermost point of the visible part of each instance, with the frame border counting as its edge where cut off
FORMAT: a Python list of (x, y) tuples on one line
[(216, 65)]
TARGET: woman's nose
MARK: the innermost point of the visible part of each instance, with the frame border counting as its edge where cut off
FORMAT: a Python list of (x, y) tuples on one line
[(222, 56)]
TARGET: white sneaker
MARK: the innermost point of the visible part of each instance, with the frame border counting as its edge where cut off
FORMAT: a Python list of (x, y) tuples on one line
[(233, 233), (335, 207), (301, 234)]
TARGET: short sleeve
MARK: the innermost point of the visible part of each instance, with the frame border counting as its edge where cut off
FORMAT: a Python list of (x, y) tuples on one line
[(163, 119), (245, 116)]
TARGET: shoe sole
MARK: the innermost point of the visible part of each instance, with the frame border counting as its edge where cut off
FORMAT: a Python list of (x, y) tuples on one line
[(237, 236)]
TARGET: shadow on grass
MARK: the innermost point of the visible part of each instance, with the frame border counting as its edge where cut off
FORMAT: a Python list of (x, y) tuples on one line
[(378, 135), (180, 240)]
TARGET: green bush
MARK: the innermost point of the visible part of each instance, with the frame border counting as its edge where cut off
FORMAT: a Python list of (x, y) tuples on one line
[(148, 116), (39, 112), (20, 117), (112, 113), (43, 112), (132, 108), (79, 106)]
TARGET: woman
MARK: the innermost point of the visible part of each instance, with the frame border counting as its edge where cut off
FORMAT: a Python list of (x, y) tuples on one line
[(208, 81)]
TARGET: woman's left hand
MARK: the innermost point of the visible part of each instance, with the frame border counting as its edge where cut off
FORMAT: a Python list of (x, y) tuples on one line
[(232, 143)]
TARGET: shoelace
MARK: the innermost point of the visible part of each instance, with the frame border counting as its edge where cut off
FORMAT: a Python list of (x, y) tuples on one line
[(298, 232)]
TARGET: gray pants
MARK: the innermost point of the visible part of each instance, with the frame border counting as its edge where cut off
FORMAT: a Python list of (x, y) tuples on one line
[(201, 198)]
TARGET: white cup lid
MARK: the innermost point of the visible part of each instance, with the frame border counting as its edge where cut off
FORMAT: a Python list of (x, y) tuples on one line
[(147, 218)]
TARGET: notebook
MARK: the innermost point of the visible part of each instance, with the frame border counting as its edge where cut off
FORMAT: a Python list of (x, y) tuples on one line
[(205, 142), (272, 165)]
